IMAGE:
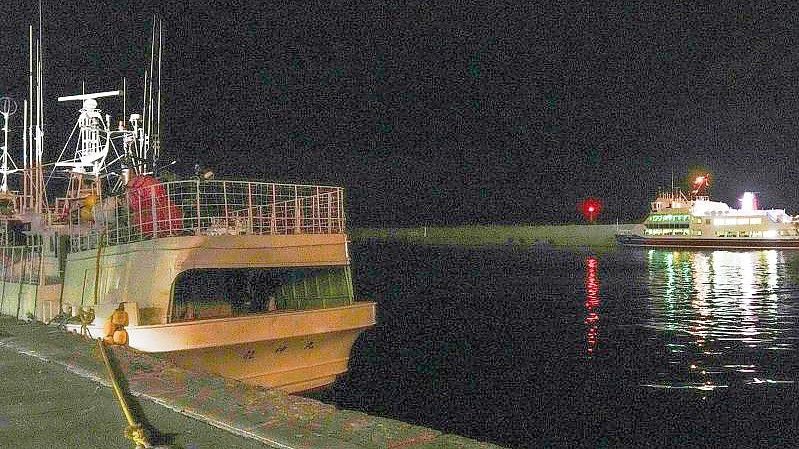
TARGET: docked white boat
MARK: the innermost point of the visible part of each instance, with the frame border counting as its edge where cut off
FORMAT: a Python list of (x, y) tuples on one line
[(677, 220), (250, 280)]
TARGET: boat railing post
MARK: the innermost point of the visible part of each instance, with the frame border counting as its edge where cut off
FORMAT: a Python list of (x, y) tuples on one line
[(129, 223), (168, 202), (197, 195), (330, 213), (153, 212), (316, 213), (140, 225), (296, 210), (249, 208), (225, 202), (340, 209), (273, 221)]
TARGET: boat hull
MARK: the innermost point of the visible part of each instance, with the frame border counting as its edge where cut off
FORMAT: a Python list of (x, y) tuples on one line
[(709, 243), (293, 365), (293, 351)]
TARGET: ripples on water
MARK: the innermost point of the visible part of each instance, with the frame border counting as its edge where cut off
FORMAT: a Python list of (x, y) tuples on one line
[(724, 316), (540, 347)]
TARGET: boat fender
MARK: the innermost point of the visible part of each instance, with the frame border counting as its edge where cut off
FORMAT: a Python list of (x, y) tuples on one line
[(108, 328), (114, 328), (120, 337)]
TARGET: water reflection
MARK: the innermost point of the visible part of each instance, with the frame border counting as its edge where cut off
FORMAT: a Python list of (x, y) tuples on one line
[(722, 314), (591, 303)]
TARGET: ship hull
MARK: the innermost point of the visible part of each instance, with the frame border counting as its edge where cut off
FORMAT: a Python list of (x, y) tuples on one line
[(708, 243), (293, 365), (292, 351)]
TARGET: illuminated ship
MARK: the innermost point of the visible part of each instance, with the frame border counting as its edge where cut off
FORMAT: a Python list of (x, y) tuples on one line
[(249, 280), (677, 220)]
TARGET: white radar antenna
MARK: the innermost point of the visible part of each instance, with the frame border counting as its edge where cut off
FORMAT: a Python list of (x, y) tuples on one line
[(94, 137), (7, 108)]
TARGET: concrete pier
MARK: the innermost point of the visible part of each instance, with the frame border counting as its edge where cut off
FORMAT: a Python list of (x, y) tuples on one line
[(54, 393)]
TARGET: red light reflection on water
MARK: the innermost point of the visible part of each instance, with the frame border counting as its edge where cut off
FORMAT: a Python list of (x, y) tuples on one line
[(592, 303)]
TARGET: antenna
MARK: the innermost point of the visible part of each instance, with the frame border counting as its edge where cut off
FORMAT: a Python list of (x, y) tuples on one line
[(33, 196), (150, 98), (110, 93), (157, 149), (160, 52), (24, 139), (7, 108), (40, 83), (124, 99), (144, 102), (29, 131), (672, 179)]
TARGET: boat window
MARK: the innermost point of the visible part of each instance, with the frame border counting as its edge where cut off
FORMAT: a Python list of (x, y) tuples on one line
[(220, 293)]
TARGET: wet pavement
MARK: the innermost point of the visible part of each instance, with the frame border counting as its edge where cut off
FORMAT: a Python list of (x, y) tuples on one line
[(54, 392), (42, 405)]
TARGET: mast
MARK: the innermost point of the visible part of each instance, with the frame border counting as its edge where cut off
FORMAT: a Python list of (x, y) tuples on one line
[(33, 194), (157, 143), (149, 104), (7, 108), (27, 190), (37, 172), (124, 99), (24, 145)]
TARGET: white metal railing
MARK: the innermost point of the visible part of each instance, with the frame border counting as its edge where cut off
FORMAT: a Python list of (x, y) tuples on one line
[(21, 264), (197, 207)]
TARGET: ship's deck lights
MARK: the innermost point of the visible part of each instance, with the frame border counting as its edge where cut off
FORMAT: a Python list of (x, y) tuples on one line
[(669, 217), (748, 202)]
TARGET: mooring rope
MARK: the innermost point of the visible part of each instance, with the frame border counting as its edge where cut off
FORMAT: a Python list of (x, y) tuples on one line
[(135, 431)]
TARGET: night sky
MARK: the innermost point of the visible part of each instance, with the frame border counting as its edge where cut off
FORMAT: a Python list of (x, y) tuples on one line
[(439, 115)]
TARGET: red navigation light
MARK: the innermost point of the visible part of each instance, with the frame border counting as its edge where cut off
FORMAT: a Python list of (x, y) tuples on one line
[(590, 208)]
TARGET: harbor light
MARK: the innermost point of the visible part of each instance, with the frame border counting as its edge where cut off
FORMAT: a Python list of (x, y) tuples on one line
[(590, 208)]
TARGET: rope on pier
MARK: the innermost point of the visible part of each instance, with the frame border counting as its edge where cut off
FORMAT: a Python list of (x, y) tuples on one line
[(134, 431)]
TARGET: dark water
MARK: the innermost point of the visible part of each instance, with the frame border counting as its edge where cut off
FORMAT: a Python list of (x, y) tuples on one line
[(539, 347)]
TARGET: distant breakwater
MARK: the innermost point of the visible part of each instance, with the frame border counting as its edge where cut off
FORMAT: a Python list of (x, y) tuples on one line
[(591, 236)]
